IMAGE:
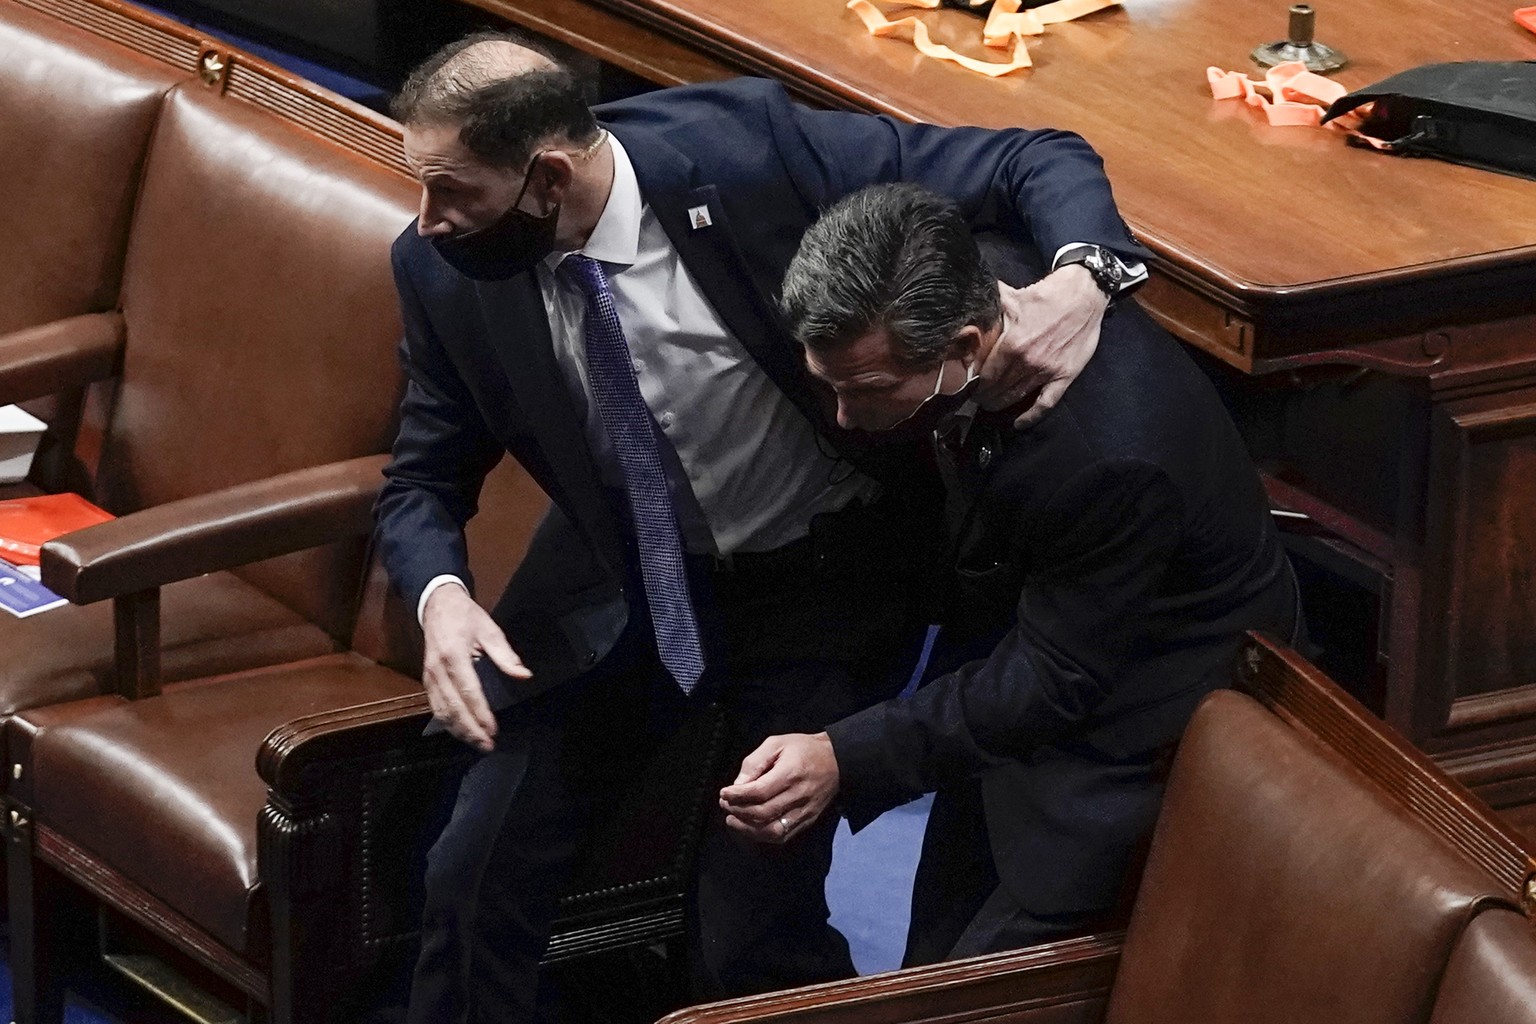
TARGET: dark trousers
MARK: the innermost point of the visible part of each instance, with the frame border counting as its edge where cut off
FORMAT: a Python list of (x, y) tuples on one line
[(759, 918), (795, 639), (960, 907)]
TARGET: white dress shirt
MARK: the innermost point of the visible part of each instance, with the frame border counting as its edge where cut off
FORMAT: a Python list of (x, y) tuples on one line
[(756, 472)]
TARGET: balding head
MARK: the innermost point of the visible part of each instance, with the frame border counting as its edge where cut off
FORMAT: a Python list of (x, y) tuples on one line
[(482, 62), (506, 98)]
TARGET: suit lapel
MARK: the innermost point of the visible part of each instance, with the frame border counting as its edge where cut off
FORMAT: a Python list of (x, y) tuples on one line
[(518, 327), (699, 227)]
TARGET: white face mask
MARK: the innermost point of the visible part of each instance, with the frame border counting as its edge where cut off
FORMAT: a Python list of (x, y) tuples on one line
[(938, 405)]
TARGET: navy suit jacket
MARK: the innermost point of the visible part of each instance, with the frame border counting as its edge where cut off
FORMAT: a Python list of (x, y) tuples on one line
[(482, 377), (1107, 562)]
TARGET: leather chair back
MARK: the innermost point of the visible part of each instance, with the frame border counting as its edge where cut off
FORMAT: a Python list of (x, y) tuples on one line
[(1491, 978), (261, 321), (75, 121), (511, 506), (1283, 886)]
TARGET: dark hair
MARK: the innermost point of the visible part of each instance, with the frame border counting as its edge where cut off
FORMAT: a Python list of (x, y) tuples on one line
[(896, 257), (502, 117)]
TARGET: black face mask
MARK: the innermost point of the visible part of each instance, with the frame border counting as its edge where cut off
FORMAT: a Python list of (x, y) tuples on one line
[(508, 246)]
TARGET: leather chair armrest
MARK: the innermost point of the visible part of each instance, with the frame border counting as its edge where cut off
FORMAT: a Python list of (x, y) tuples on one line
[(54, 357), (220, 530), (296, 754), (1061, 982), (291, 753)]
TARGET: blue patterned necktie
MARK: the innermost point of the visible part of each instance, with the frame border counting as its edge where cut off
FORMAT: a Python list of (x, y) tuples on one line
[(627, 422)]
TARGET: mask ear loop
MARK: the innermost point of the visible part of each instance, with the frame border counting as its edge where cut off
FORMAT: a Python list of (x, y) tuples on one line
[(972, 373), (584, 153), (527, 179), (938, 382)]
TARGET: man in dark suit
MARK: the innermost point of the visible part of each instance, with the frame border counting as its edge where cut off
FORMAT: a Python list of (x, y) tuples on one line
[(592, 295), (1106, 564)]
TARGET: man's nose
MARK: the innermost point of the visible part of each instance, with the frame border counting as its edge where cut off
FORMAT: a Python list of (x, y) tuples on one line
[(430, 222), (845, 418)]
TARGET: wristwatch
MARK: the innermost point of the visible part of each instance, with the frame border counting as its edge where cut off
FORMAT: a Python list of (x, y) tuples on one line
[(1107, 269)]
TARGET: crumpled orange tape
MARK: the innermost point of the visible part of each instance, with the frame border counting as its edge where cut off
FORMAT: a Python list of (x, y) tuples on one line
[(1005, 25), (1296, 98), (1005, 20), (879, 25)]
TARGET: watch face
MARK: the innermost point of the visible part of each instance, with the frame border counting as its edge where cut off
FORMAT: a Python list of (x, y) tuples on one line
[(1111, 268), (1105, 268)]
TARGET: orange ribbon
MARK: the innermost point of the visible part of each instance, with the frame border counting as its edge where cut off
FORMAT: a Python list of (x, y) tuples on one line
[(1291, 97), (1006, 26)]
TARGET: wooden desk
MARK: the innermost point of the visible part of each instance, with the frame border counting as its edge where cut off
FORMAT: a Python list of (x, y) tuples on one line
[(1372, 319)]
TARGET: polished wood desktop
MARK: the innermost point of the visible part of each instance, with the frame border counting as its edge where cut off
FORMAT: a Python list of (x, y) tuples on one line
[(1371, 318)]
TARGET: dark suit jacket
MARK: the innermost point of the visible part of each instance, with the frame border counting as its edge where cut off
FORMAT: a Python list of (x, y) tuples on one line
[(481, 368), (1108, 560)]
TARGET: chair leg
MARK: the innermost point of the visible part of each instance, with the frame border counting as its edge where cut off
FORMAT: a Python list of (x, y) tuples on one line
[(299, 859), (35, 894)]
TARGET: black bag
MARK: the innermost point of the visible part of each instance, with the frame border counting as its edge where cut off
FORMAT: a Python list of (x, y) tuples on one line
[(1479, 113)]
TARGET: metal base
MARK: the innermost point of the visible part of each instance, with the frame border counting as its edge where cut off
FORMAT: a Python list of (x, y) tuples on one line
[(1315, 56), (166, 983)]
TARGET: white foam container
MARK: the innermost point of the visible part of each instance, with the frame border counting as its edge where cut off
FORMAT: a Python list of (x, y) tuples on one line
[(20, 432)]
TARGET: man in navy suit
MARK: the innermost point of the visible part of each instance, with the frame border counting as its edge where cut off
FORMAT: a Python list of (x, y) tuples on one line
[(1106, 563), (593, 295)]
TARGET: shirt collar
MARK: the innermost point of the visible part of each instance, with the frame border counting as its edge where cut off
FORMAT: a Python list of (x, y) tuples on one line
[(615, 239)]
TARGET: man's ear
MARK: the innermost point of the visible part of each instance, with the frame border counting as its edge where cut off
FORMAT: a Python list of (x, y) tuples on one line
[(554, 173), (967, 345)]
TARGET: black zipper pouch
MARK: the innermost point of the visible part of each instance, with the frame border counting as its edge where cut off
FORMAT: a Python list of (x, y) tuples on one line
[(1479, 113)]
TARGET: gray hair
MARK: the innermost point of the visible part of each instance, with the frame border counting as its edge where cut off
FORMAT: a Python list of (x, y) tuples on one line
[(895, 257)]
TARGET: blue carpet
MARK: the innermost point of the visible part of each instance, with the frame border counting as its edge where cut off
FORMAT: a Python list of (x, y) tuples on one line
[(870, 886), (869, 889)]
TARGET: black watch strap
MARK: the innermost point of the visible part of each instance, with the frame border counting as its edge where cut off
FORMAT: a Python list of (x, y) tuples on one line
[(1108, 270)]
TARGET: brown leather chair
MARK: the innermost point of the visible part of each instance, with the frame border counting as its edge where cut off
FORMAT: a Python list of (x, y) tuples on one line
[(256, 255), (292, 890), (1308, 866), (77, 114), (154, 807), (1491, 978), (255, 339)]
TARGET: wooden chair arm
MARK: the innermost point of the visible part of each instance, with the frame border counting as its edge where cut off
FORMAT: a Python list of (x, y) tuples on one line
[(1064, 982)]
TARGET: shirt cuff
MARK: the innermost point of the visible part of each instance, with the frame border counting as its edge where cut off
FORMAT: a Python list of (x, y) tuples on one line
[(1135, 270), (430, 588)]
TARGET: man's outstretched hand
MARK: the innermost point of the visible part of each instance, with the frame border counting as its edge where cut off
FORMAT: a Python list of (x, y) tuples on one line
[(783, 787), (458, 632), (1050, 331)]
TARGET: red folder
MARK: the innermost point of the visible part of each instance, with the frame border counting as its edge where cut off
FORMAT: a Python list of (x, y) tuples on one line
[(26, 524)]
